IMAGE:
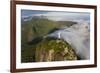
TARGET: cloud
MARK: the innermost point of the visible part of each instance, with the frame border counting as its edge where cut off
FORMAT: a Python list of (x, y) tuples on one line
[(65, 16), (77, 36)]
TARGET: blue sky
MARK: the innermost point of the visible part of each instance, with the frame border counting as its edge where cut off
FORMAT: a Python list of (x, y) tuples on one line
[(31, 12), (57, 15)]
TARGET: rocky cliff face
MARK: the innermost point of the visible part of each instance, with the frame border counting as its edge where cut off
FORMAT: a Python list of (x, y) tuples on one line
[(51, 49)]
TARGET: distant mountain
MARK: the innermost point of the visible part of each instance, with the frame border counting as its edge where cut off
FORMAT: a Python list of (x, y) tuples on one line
[(28, 18)]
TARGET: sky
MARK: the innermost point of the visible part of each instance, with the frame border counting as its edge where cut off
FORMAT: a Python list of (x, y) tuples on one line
[(58, 15)]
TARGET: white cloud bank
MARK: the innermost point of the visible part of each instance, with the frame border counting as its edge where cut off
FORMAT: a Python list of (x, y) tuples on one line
[(78, 36), (65, 16)]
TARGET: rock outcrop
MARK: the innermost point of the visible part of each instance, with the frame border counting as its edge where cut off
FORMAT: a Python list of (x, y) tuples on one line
[(51, 49)]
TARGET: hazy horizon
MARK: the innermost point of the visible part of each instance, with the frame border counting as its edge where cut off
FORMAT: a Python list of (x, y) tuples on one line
[(57, 15)]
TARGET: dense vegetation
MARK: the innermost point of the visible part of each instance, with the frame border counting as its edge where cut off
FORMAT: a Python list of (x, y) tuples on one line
[(50, 49), (32, 33)]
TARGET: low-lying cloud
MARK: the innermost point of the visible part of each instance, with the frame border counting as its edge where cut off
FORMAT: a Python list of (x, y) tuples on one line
[(78, 36)]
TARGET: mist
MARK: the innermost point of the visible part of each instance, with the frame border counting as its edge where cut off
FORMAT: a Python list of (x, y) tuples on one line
[(78, 36)]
